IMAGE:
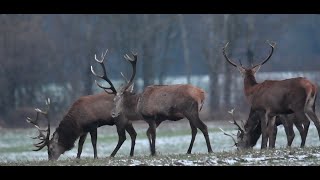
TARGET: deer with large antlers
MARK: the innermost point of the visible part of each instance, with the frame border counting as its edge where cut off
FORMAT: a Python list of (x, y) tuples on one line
[(250, 131), (155, 104), (84, 116), (275, 97)]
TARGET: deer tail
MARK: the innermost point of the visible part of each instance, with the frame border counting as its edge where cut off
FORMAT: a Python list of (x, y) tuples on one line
[(202, 97)]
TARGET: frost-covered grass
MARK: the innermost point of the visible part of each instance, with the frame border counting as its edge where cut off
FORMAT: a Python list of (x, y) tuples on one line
[(172, 142)]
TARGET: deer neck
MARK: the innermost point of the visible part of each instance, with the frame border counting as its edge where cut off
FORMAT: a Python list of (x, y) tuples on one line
[(130, 103), (249, 86), (68, 131)]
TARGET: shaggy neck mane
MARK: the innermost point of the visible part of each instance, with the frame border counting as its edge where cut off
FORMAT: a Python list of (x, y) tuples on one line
[(68, 132)]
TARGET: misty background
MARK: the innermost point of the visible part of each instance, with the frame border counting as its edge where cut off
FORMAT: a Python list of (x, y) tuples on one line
[(50, 56)]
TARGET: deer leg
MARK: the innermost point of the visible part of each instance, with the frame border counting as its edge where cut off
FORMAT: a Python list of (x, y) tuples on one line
[(305, 132), (312, 116), (122, 137), (133, 135), (194, 119), (288, 128), (149, 133), (193, 136), (93, 135), (271, 127), (80, 144), (300, 128), (303, 117), (149, 136), (274, 135), (152, 131), (264, 131)]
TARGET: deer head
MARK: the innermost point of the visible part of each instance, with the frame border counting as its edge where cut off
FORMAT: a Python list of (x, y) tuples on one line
[(123, 91), (54, 148), (245, 138)]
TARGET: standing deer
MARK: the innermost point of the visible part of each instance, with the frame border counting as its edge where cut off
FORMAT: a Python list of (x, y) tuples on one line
[(271, 98), (155, 104), (85, 115)]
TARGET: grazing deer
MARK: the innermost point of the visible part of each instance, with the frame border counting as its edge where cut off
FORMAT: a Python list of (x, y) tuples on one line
[(155, 104), (271, 98), (85, 115), (249, 134)]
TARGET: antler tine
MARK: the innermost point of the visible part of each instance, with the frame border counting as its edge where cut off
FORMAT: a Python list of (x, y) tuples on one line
[(225, 55), (134, 53), (127, 57), (272, 45), (29, 120), (102, 57), (39, 143), (39, 147), (104, 88), (226, 45), (235, 122), (225, 133), (133, 63), (35, 123), (104, 76), (44, 139), (124, 77)]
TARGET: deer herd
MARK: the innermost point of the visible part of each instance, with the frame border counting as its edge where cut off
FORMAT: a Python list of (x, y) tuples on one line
[(273, 102)]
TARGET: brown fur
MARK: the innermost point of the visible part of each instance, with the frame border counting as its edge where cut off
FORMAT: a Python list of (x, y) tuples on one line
[(279, 97), (272, 98), (85, 115), (158, 103)]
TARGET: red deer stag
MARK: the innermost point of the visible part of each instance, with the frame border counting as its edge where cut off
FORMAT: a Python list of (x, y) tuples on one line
[(85, 115), (273, 97), (249, 134), (155, 104)]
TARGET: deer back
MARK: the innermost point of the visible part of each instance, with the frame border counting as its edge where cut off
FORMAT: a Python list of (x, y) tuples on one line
[(280, 95), (92, 110), (169, 100)]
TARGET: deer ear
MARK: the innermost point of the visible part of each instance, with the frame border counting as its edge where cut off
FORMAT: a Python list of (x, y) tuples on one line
[(241, 69), (256, 69)]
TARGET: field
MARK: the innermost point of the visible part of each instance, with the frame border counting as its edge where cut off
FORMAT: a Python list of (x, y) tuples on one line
[(172, 142)]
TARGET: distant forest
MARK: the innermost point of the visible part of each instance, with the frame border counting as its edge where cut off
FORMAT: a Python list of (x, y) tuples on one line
[(50, 55)]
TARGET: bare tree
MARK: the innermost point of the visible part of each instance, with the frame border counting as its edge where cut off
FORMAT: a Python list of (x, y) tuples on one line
[(184, 40)]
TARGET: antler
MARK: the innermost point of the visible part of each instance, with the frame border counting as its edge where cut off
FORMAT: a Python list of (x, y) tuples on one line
[(225, 55), (133, 62), (126, 79), (227, 134), (272, 45), (235, 122), (44, 139), (104, 76)]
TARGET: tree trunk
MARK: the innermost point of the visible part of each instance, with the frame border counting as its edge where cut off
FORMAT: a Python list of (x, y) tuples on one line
[(88, 81), (147, 59), (227, 69), (249, 40), (185, 47)]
